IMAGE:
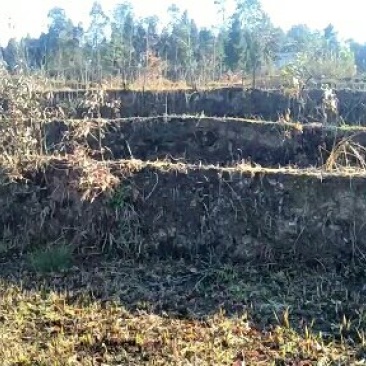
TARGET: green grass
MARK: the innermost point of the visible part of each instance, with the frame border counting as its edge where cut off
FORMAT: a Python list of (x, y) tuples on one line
[(51, 259)]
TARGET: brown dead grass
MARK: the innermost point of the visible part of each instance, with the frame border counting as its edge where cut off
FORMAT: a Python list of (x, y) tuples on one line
[(347, 156), (107, 168), (92, 178), (124, 313)]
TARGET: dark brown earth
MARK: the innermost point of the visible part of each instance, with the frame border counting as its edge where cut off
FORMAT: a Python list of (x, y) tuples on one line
[(240, 214), (225, 102), (223, 141)]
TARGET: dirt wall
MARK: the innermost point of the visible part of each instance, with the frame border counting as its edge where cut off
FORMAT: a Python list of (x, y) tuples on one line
[(231, 102), (230, 214), (222, 141)]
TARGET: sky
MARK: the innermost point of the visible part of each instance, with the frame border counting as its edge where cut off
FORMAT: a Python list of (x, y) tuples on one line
[(20, 17)]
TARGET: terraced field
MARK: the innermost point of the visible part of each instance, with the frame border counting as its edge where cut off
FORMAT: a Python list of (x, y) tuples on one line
[(180, 239)]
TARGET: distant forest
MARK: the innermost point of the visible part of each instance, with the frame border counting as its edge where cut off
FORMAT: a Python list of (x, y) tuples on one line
[(244, 43)]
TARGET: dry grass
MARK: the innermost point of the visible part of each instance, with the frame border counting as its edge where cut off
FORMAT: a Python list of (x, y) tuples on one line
[(96, 177), (347, 156), (147, 84), (122, 313)]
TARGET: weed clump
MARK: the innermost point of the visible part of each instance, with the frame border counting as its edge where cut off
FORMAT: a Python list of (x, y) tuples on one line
[(51, 259)]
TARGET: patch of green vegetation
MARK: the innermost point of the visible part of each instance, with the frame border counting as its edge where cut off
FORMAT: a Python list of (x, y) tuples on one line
[(51, 259), (120, 197), (344, 126)]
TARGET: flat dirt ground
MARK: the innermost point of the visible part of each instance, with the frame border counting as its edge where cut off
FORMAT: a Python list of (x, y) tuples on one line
[(107, 312)]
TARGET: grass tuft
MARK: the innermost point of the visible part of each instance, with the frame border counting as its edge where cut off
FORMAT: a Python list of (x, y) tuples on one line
[(51, 259)]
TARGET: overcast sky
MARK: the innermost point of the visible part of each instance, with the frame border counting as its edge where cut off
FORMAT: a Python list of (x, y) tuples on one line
[(30, 16)]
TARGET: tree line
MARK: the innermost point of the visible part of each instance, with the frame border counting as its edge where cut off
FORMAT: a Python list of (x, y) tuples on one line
[(243, 44)]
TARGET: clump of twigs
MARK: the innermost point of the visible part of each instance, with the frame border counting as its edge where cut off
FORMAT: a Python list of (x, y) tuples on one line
[(24, 110), (347, 156), (95, 178), (20, 99), (21, 115)]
